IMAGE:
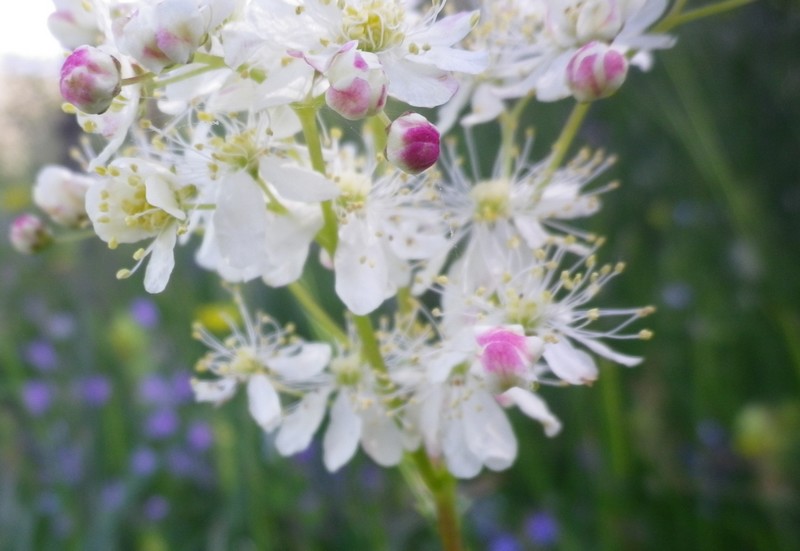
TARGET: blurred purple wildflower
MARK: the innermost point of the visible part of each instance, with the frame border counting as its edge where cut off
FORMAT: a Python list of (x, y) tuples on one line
[(155, 390), (180, 463), (182, 387), (60, 325), (37, 396), (145, 312), (505, 542), (199, 436), (70, 466), (156, 508), (112, 496), (41, 354), (94, 390), (162, 423), (144, 461), (542, 528)]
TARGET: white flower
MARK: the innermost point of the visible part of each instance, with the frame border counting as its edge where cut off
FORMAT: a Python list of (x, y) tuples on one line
[(61, 193), (388, 230), (265, 358), (504, 218), (466, 424), (548, 299), (366, 411), (266, 209), (139, 199)]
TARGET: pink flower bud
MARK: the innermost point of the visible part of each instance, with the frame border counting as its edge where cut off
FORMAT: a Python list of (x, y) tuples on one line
[(28, 234), (507, 355), (61, 193), (503, 351), (358, 83), (596, 71), (90, 79), (412, 144)]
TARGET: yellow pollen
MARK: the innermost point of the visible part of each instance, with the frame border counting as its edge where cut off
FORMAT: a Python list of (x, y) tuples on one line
[(376, 24)]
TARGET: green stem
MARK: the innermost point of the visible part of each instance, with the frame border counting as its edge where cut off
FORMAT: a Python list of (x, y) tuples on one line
[(370, 348), (78, 235), (274, 204), (137, 79), (316, 313), (378, 125), (561, 147), (442, 487), (328, 236), (677, 18)]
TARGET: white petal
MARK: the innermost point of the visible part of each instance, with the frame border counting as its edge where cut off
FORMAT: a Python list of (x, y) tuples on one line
[(362, 278), (570, 364), (288, 239), (488, 432), (162, 261), (534, 407), (309, 361), (299, 426), (218, 391), (265, 405), (344, 431), (452, 59), (381, 438), (240, 220), (448, 30), (297, 183), (486, 106), (461, 461), (600, 348), (419, 85)]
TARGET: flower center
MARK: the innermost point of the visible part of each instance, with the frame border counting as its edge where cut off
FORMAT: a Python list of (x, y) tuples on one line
[(354, 188), (244, 362), (347, 370), (239, 151), (376, 24), (140, 214), (526, 310), (491, 200)]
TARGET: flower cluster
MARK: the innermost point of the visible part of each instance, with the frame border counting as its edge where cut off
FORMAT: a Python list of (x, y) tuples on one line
[(218, 123)]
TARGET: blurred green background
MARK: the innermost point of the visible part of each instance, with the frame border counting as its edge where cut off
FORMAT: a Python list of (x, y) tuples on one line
[(101, 446)]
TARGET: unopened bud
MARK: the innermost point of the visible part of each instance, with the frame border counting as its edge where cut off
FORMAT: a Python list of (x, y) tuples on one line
[(90, 79), (161, 34), (506, 350), (28, 234), (358, 83), (596, 71), (61, 193), (412, 144)]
